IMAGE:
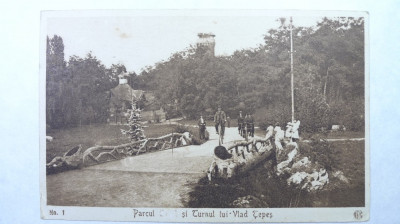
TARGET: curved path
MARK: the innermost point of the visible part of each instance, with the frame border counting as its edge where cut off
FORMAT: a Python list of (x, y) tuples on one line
[(158, 179)]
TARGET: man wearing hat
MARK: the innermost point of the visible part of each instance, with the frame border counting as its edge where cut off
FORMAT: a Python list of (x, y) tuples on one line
[(249, 122), (240, 123), (202, 128), (220, 118)]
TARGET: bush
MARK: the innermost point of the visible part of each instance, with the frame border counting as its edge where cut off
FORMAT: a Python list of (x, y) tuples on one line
[(263, 125), (172, 113), (313, 111), (320, 152), (350, 114), (276, 113)]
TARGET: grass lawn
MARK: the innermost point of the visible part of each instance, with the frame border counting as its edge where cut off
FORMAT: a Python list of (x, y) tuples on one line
[(328, 135), (99, 134), (348, 157)]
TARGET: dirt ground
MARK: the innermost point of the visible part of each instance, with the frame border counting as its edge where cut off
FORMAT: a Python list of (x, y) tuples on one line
[(158, 179), (105, 188)]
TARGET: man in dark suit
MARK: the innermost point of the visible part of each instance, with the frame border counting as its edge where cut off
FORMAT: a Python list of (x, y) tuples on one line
[(202, 128), (240, 123), (220, 119)]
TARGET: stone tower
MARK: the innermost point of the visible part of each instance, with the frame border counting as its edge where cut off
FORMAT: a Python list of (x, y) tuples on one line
[(207, 41)]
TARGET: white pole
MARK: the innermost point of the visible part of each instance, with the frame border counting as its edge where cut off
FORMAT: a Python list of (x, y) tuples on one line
[(291, 65)]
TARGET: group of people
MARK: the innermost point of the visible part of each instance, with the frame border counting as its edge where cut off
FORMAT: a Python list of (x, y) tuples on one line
[(246, 127), (279, 136), (220, 119), (245, 123)]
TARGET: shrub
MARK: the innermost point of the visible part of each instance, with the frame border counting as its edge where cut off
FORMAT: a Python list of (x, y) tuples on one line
[(276, 113), (263, 125), (313, 111), (350, 114), (321, 152)]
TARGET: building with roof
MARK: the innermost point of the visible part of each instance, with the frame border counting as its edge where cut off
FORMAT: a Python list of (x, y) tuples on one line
[(121, 98)]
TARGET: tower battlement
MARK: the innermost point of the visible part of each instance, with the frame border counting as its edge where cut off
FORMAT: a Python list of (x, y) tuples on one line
[(207, 40)]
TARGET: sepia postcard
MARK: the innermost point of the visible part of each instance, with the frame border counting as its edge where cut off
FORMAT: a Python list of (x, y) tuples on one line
[(204, 115)]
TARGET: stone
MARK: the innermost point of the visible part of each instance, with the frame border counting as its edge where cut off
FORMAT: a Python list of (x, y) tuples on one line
[(310, 181), (283, 154), (315, 185), (314, 175), (323, 176), (319, 180), (284, 164), (303, 163), (297, 178), (337, 127), (340, 175)]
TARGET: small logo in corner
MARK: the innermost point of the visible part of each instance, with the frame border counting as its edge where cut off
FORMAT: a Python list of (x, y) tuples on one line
[(358, 214)]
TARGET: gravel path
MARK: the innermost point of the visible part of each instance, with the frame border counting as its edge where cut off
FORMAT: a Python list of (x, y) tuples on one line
[(158, 179)]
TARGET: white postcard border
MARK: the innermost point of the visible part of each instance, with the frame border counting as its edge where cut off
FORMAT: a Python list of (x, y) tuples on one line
[(176, 214)]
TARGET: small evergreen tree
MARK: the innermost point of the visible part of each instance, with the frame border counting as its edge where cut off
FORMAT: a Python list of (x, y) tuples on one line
[(135, 131)]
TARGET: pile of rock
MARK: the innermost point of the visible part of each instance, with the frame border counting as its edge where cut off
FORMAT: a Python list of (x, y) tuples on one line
[(303, 173)]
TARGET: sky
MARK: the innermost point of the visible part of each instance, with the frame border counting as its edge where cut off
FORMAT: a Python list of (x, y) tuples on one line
[(142, 39)]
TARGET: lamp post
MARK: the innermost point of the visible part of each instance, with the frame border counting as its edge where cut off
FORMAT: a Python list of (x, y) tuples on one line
[(291, 65)]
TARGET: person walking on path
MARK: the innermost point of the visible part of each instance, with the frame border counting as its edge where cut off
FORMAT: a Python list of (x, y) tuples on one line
[(251, 125), (228, 121), (249, 122), (202, 128), (220, 119), (240, 123)]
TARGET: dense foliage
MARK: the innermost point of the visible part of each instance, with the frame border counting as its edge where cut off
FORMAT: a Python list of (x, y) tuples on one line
[(328, 74), (77, 90)]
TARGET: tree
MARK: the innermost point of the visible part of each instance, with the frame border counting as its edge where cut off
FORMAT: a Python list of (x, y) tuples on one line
[(91, 81), (75, 91), (55, 76), (114, 71), (328, 73)]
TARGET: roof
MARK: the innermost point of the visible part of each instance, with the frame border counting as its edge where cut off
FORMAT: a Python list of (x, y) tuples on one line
[(125, 92)]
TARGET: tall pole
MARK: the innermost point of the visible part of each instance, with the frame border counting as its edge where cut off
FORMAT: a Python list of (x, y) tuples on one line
[(291, 65)]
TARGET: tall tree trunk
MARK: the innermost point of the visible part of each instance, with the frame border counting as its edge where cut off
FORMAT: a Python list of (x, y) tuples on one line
[(326, 81)]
